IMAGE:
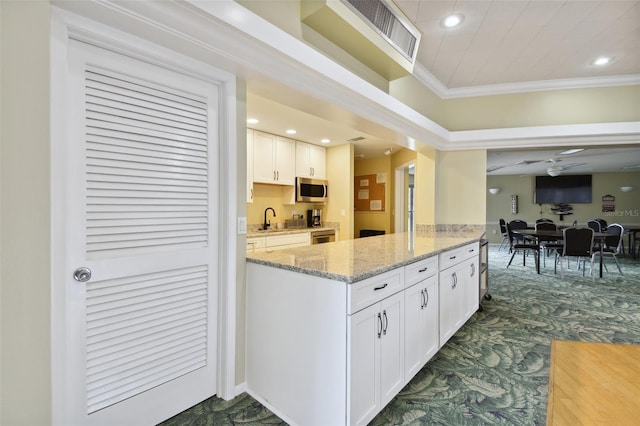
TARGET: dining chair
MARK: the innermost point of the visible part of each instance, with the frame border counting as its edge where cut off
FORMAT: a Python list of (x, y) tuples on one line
[(576, 242), (503, 232), (524, 247), (603, 224), (544, 220), (517, 224), (612, 243), (595, 225), (547, 244)]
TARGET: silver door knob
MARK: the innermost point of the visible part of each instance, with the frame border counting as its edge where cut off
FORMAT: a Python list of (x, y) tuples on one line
[(82, 274)]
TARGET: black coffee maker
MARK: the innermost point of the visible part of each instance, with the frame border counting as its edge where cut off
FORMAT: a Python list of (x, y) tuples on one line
[(314, 218)]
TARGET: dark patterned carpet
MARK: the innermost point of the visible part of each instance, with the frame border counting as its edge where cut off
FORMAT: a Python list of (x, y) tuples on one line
[(495, 369)]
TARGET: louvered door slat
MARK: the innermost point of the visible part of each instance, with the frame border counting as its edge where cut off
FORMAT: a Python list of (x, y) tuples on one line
[(119, 135), (158, 219), (134, 152), (147, 144), (134, 159), (126, 343), (115, 104), (129, 166), (123, 186), (134, 86)]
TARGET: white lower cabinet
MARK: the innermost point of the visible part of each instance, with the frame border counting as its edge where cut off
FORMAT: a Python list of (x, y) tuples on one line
[(276, 242), (458, 289), (376, 358), (421, 325)]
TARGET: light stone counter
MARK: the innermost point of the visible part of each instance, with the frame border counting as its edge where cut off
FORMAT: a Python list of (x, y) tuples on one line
[(285, 231), (354, 260)]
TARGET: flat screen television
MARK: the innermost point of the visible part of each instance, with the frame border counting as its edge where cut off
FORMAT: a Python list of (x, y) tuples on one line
[(567, 189)]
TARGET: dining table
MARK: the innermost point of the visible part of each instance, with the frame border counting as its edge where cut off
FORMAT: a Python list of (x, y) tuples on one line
[(633, 236), (557, 235)]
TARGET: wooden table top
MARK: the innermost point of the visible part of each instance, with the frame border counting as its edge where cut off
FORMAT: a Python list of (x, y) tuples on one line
[(594, 384)]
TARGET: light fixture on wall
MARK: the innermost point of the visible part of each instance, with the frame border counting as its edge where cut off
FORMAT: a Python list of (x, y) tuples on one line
[(494, 191), (626, 188), (387, 151)]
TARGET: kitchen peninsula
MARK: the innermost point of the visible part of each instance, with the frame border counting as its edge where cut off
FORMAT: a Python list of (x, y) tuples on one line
[(334, 331)]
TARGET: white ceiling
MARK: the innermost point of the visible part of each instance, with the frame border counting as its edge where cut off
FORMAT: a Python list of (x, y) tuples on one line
[(520, 44), (518, 41)]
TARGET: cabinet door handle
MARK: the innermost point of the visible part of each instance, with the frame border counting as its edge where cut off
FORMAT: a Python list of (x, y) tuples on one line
[(423, 269), (453, 280), (386, 322), (426, 292), (381, 287), (278, 175), (274, 175), (422, 299), (379, 325), (473, 269)]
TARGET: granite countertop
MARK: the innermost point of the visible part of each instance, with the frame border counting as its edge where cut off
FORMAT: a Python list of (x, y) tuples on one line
[(354, 260), (284, 231)]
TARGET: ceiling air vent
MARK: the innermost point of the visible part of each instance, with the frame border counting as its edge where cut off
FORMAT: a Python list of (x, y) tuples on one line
[(375, 32)]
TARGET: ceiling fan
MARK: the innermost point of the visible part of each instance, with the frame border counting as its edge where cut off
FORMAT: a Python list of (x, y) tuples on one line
[(556, 170)]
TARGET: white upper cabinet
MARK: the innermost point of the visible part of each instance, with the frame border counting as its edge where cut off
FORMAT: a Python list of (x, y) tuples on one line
[(311, 160), (249, 166), (273, 159)]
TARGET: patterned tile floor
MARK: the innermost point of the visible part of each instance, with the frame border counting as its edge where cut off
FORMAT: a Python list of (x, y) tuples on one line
[(495, 369)]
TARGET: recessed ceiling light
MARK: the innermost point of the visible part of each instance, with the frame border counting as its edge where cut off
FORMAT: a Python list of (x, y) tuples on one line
[(571, 151), (253, 120), (291, 131), (603, 60), (452, 20), (325, 140)]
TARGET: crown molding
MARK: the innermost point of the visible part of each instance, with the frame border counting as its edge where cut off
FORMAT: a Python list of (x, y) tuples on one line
[(436, 86), (592, 134)]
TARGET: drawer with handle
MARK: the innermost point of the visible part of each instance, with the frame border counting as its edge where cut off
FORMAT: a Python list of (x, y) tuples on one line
[(420, 270), (372, 290), (457, 255)]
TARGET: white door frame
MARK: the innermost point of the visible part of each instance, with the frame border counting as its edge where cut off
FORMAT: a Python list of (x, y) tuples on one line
[(399, 213), (66, 26)]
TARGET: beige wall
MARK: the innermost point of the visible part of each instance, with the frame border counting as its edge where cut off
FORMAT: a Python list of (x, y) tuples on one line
[(374, 220), (598, 105), (25, 280), (340, 175), (461, 188), (425, 187), (627, 204)]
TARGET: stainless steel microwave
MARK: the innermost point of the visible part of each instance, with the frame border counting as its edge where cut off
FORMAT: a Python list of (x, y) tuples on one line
[(311, 190)]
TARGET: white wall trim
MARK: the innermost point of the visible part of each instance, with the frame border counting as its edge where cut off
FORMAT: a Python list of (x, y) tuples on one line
[(436, 86), (546, 136)]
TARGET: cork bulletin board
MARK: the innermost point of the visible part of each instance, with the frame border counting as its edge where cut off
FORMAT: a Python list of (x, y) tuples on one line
[(369, 192)]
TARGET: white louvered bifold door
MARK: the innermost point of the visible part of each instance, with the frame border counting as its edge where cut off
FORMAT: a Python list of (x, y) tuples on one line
[(143, 222)]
